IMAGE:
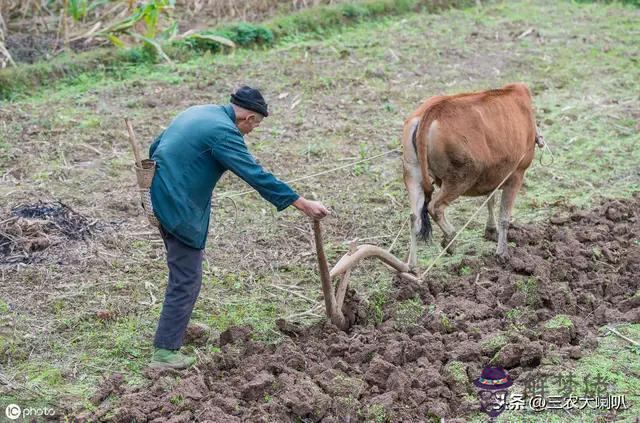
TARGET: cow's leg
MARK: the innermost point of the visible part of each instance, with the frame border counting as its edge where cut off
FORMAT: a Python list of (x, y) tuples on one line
[(437, 206), (509, 192), (413, 183), (413, 247), (490, 230)]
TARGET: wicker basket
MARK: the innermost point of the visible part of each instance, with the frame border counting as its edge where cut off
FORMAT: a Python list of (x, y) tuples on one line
[(144, 175)]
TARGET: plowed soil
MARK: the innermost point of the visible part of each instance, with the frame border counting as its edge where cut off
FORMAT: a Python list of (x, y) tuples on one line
[(582, 265)]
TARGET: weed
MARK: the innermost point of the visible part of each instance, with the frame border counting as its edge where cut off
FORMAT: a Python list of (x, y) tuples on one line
[(376, 303), (457, 371), (466, 271), (377, 413), (559, 321), (596, 252), (493, 344), (176, 399), (529, 287), (447, 325), (408, 313), (514, 314), (243, 34), (362, 168)]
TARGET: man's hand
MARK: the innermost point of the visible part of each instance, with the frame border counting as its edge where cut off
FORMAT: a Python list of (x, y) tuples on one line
[(313, 209)]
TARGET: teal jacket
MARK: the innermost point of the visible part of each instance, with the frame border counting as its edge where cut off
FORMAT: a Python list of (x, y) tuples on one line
[(191, 155)]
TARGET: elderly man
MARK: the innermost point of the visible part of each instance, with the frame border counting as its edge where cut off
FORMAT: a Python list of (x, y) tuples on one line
[(191, 155)]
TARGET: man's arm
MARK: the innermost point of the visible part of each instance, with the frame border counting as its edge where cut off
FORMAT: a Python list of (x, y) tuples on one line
[(233, 154)]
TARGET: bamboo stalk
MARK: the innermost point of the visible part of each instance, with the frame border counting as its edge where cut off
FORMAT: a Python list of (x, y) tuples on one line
[(134, 143)]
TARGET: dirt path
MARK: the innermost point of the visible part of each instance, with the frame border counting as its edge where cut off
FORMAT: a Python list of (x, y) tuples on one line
[(564, 280)]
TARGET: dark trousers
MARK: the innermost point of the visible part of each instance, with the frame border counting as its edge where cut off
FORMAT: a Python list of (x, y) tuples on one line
[(185, 279)]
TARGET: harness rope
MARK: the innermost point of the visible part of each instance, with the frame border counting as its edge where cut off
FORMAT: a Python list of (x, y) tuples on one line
[(399, 232), (324, 172), (544, 149)]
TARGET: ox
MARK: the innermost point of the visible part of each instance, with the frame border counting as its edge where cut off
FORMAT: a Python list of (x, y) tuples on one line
[(467, 144)]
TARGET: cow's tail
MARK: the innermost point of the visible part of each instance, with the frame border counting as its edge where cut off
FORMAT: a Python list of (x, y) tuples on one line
[(420, 142)]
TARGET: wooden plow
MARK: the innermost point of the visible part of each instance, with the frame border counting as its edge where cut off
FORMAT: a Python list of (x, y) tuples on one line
[(334, 297)]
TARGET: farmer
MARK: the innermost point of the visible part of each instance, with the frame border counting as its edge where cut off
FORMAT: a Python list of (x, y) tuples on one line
[(191, 155)]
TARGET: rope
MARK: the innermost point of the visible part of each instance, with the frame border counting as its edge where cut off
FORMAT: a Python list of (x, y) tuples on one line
[(471, 218), (544, 149), (399, 232), (237, 194)]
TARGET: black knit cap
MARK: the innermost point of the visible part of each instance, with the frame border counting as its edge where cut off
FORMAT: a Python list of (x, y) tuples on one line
[(250, 99)]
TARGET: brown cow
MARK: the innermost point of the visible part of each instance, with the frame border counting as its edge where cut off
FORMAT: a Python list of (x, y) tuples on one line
[(467, 144)]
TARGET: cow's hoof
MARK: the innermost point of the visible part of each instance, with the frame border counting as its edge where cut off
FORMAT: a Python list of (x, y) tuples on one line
[(491, 234), (445, 242), (502, 256), (413, 268)]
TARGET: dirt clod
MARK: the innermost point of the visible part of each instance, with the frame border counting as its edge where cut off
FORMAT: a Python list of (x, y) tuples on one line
[(235, 334), (197, 334)]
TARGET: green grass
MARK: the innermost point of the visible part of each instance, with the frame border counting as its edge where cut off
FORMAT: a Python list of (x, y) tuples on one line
[(493, 344), (311, 23), (529, 287), (353, 95), (559, 321), (408, 312), (376, 413), (377, 298), (457, 371)]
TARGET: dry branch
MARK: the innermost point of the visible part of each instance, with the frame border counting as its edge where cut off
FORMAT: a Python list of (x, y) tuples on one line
[(4, 52), (621, 336)]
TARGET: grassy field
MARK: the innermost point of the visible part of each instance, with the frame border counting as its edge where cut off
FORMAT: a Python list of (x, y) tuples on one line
[(334, 100)]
